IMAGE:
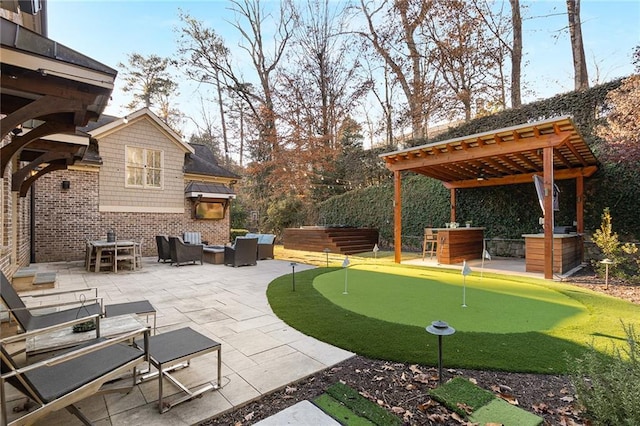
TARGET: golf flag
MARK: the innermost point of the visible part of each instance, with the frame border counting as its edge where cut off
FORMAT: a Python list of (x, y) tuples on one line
[(346, 262), (486, 255), (375, 248), (466, 270)]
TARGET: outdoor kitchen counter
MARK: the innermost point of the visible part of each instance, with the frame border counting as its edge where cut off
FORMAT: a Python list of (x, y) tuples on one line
[(567, 252), (458, 244)]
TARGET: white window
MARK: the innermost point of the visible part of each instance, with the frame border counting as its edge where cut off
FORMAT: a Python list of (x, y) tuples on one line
[(144, 168)]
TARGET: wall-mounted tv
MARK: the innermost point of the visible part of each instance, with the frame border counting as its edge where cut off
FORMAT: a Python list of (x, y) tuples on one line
[(210, 210)]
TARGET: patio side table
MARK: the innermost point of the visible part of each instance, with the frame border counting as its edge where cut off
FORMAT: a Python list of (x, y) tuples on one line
[(141, 307), (173, 350)]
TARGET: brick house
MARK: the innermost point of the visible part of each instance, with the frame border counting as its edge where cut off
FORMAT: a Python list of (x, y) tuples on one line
[(139, 179)]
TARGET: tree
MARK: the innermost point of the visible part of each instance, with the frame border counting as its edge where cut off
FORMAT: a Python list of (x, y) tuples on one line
[(206, 59), (516, 55), (149, 81), (463, 53), (393, 30), (581, 79)]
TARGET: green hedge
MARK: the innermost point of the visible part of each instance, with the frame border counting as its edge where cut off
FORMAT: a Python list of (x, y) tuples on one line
[(505, 211)]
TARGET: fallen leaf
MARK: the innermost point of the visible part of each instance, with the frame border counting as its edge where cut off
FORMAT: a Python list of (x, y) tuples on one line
[(410, 387), (403, 377), (397, 410), (457, 417), (343, 382), (509, 398), (378, 378), (539, 408), (472, 380), (438, 418), (426, 405), (567, 398), (407, 416), (380, 402), (290, 389), (367, 395), (467, 409), (388, 368), (249, 416), (564, 391), (495, 388), (237, 424), (422, 378), (414, 369)]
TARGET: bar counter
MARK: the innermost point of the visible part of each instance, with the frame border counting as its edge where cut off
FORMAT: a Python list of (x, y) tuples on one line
[(458, 244), (567, 252)]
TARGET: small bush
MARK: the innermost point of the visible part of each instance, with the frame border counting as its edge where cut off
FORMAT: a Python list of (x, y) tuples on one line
[(609, 387), (238, 233), (626, 263)]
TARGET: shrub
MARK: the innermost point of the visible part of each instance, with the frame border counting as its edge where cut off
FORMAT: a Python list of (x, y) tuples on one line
[(238, 233), (624, 256), (608, 388)]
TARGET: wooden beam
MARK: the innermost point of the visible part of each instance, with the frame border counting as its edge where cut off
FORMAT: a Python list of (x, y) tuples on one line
[(505, 148), (522, 178), (397, 217), (452, 191)]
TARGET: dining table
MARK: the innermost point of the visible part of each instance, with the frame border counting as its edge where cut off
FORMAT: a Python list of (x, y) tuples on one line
[(122, 250)]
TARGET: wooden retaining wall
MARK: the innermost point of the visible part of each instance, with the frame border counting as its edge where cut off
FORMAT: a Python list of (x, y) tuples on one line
[(338, 240)]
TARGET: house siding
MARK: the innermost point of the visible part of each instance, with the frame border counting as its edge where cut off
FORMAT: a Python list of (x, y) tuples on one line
[(142, 133)]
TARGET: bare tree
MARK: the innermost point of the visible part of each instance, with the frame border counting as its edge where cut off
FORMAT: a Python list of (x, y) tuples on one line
[(581, 78), (393, 30)]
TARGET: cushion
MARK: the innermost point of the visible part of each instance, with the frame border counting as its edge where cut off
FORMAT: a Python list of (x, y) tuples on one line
[(192, 238), (266, 239)]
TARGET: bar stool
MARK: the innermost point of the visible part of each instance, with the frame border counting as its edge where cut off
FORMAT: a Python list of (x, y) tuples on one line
[(431, 238)]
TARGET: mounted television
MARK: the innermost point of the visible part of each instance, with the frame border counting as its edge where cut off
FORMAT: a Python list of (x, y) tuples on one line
[(210, 209)]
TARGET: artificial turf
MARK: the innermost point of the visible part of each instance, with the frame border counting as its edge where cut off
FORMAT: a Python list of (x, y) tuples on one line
[(578, 317)]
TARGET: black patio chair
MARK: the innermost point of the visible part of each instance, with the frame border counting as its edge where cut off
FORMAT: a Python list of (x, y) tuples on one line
[(243, 252), (164, 252), (185, 253)]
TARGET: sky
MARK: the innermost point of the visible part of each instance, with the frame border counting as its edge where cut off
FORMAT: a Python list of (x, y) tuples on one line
[(108, 31)]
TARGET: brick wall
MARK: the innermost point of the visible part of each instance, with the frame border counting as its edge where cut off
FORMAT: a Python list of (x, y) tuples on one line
[(66, 218)]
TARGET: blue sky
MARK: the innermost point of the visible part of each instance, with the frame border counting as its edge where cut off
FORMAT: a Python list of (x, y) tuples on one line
[(109, 30)]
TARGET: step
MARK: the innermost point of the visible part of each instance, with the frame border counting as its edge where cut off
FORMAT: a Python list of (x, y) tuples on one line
[(45, 280)]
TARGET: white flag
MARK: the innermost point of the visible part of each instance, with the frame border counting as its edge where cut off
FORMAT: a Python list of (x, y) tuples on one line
[(486, 255), (466, 270), (346, 262), (375, 248)]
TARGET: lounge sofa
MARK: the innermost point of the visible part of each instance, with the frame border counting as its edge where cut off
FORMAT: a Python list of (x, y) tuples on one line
[(265, 245)]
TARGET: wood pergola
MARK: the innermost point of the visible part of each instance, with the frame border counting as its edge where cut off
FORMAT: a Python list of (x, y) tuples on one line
[(52, 90), (551, 148)]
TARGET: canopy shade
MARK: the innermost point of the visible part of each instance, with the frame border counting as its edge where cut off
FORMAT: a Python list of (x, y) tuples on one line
[(505, 156)]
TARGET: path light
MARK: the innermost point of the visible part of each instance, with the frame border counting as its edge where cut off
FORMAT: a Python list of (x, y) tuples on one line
[(606, 263), (440, 328), (293, 274), (326, 252)]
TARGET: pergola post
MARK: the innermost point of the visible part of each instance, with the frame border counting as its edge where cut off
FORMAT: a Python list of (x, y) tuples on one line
[(397, 216), (453, 204), (547, 161), (580, 213)]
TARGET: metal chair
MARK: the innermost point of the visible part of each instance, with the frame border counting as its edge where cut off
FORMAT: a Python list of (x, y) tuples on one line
[(66, 379), (431, 241)]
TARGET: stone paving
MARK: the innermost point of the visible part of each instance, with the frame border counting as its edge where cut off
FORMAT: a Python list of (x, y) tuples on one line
[(260, 353)]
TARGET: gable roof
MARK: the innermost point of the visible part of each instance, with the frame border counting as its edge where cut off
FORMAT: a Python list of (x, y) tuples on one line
[(107, 126)]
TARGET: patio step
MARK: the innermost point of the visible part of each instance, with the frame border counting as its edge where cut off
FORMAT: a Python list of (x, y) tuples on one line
[(26, 279)]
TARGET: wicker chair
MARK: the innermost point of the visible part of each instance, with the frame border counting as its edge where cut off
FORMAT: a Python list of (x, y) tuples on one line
[(243, 252), (164, 252), (184, 253)]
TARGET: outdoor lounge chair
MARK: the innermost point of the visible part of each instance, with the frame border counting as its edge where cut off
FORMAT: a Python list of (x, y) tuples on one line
[(164, 252), (243, 252), (28, 322), (66, 379), (184, 253), (265, 245)]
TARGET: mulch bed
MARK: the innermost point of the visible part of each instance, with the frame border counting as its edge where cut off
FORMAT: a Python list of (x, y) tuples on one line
[(402, 388)]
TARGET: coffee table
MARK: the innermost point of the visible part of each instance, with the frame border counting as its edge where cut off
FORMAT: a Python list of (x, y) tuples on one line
[(65, 338)]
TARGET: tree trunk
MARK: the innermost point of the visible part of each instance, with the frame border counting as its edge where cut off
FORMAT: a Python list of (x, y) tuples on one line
[(223, 122), (516, 54), (581, 79)]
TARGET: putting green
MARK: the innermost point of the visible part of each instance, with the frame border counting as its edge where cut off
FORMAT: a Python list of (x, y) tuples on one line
[(418, 297)]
